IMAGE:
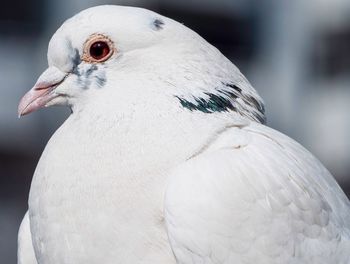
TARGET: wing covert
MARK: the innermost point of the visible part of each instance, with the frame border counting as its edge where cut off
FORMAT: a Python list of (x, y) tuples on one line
[(266, 201)]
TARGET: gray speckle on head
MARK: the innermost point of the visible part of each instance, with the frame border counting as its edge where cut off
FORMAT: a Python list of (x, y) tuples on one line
[(101, 79), (76, 58), (74, 55), (83, 82), (87, 74), (158, 24), (90, 75), (84, 74), (90, 70)]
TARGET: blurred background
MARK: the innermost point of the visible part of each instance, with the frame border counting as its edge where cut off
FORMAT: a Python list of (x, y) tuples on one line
[(295, 53)]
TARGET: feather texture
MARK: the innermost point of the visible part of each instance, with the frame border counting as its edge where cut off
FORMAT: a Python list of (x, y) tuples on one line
[(267, 200)]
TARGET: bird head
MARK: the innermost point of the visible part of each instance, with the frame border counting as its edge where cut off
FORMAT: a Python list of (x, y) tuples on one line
[(109, 52)]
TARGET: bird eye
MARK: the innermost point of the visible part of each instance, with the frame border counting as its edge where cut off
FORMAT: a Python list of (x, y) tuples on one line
[(98, 48)]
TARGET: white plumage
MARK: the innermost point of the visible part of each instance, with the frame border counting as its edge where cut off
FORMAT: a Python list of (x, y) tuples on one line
[(26, 253), (165, 159)]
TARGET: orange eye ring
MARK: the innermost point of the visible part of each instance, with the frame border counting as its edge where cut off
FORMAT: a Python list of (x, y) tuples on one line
[(98, 48)]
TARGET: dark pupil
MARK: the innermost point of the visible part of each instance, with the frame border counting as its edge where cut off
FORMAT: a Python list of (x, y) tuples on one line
[(99, 50)]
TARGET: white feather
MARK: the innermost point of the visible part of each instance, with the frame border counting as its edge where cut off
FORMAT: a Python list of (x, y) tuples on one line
[(25, 251)]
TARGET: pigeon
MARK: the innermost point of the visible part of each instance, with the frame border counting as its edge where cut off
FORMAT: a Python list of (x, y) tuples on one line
[(166, 157)]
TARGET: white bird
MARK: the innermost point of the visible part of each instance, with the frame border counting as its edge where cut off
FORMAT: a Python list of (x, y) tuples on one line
[(166, 158)]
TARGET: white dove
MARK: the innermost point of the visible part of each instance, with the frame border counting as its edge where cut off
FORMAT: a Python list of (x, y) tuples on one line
[(166, 158)]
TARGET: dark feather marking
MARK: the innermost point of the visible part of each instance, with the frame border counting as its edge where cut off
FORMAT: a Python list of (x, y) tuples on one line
[(221, 102), (259, 106), (215, 103), (224, 100), (233, 86), (158, 24)]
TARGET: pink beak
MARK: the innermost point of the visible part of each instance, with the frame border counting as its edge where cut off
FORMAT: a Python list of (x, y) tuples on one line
[(42, 92)]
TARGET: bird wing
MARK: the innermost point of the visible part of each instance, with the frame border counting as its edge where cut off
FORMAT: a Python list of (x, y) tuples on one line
[(256, 196), (25, 251)]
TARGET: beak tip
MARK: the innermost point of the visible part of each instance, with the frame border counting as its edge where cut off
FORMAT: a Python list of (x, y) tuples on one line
[(21, 109), (22, 112)]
